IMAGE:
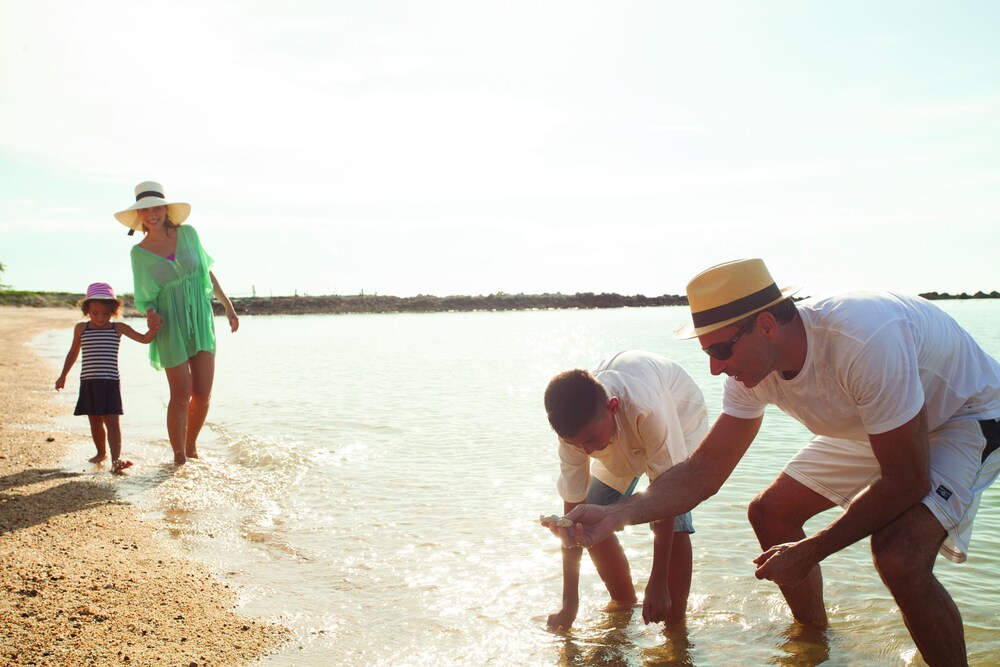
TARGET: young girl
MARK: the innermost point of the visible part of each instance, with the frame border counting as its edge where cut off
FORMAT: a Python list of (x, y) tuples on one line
[(100, 390)]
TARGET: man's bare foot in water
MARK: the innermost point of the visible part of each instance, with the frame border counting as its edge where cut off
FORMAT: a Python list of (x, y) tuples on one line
[(192, 452), (98, 458), (179, 459), (120, 465)]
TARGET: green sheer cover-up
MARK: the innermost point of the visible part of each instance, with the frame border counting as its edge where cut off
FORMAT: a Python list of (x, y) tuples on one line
[(180, 291)]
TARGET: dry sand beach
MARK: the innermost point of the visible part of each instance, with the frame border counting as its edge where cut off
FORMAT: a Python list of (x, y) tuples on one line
[(83, 578)]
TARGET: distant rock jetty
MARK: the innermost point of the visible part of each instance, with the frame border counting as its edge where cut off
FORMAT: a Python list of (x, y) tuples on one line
[(436, 304), (363, 303)]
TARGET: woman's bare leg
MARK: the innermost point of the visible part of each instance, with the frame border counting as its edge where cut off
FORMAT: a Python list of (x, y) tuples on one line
[(179, 379), (202, 377)]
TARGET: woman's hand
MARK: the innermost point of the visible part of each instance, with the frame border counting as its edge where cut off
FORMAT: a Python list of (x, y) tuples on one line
[(234, 320), (153, 320)]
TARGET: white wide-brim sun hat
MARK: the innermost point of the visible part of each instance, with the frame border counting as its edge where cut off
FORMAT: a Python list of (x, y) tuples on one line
[(147, 195)]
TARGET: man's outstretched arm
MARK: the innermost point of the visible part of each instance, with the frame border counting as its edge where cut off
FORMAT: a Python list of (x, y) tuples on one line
[(676, 491)]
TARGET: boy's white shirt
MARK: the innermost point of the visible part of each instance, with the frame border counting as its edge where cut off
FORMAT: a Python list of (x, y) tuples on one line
[(661, 419)]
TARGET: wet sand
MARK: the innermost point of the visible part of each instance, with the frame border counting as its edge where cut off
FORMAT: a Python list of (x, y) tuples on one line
[(84, 580)]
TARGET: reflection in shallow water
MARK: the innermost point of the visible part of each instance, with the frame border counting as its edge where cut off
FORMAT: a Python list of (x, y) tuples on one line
[(803, 646)]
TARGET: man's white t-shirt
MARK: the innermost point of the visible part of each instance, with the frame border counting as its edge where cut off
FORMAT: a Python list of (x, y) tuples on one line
[(873, 359), (661, 419)]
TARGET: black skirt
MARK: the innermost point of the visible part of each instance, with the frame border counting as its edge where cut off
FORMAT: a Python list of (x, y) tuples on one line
[(99, 397)]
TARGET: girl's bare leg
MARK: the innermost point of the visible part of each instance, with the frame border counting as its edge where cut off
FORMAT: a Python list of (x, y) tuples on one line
[(179, 379), (111, 422), (97, 433), (202, 377)]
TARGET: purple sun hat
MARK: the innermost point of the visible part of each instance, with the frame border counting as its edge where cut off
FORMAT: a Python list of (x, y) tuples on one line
[(100, 291)]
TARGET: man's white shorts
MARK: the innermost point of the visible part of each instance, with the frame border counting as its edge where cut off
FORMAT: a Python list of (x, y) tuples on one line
[(840, 469)]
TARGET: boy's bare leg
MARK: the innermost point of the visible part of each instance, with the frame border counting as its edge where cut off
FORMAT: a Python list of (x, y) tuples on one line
[(611, 563), (100, 440), (679, 577)]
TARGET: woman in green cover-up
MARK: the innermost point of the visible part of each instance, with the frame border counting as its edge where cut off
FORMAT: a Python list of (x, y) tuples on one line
[(174, 286)]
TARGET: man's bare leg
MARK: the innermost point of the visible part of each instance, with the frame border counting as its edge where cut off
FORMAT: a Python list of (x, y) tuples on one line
[(777, 515), (904, 553)]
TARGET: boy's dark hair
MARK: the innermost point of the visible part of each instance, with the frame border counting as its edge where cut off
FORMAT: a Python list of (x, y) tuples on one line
[(571, 401)]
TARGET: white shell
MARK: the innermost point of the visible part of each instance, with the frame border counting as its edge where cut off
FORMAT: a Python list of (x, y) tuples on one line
[(560, 521)]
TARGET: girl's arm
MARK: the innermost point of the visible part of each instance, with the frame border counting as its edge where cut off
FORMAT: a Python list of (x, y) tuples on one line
[(74, 352), (234, 321), (125, 330)]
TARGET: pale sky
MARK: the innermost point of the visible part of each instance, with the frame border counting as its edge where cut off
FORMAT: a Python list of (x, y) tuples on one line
[(519, 146)]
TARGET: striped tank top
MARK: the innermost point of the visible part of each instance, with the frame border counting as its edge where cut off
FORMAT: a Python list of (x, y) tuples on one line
[(100, 354)]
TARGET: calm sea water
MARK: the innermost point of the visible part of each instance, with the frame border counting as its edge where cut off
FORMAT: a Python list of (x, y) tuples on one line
[(374, 482)]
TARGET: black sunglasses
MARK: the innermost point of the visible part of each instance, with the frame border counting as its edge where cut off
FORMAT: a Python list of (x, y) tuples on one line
[(724, 350)]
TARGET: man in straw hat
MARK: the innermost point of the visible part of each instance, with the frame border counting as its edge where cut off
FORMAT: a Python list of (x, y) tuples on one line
[(904, 407)]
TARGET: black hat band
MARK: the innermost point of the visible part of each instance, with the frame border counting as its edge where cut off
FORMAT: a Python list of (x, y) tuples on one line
[(734, 309)]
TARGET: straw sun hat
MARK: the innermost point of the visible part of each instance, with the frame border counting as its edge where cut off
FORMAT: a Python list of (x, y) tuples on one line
[(147, 195), (729, 292)]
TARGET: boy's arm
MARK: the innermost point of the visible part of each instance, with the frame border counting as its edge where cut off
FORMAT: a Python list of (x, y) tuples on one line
[(656, 601), (74, 352), (571, 557), (127, 331)]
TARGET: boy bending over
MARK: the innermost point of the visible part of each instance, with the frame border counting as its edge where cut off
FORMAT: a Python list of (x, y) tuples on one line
[(638, 413)]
